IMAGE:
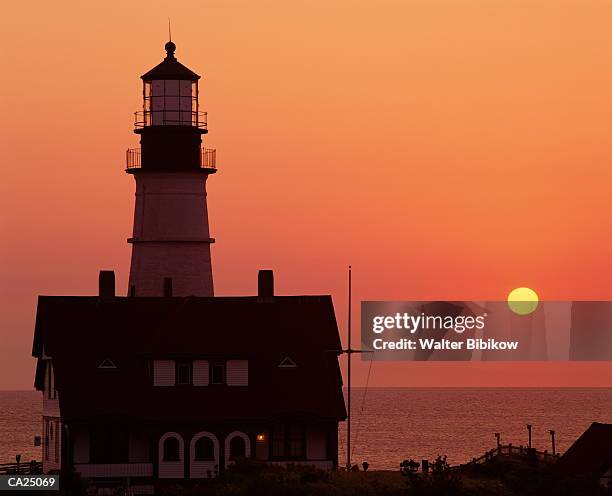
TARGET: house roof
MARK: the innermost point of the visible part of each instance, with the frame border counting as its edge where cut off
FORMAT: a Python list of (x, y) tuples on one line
[(591, 453), (80, 332)]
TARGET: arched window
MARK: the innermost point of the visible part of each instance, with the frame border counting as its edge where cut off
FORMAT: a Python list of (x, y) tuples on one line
[(204, 449), (237, 448), (171, 450)]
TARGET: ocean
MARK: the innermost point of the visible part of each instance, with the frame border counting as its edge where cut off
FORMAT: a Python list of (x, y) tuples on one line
[(392, 424)]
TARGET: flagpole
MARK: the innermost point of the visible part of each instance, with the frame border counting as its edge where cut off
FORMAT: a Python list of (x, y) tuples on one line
[(349, 353)]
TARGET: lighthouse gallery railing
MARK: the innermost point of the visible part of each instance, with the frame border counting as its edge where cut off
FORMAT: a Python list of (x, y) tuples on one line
[(146, 118), (208, 158)]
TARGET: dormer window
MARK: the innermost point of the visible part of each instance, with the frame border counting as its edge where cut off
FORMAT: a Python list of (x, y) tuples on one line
[(287, 363), (184, 372), (107, 363)]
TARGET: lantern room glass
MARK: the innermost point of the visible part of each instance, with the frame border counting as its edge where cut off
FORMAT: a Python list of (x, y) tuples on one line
[(171, 102)]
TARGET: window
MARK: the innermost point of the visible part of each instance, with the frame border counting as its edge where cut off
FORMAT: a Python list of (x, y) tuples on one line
[(278, 441), (217, 373), (170, 101), (183, 372), (288, 441), (296, 441), (204, 449), (237, 448), (171, 450)]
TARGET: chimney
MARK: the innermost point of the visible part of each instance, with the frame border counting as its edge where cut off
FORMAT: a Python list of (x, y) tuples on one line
[(167, 287), (106, 284), (265, 283)]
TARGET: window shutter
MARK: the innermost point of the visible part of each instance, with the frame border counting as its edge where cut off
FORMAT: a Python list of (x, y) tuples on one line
[(163, 373), (200, 372), (237, 372)]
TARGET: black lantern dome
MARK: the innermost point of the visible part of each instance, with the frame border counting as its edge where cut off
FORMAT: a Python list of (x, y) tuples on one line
[(170, 68)]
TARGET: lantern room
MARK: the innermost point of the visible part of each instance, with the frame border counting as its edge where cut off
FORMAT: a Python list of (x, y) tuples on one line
[(170, 95), (170, 124)]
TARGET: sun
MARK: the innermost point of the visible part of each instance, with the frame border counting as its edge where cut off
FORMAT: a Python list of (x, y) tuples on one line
[(523, 301)]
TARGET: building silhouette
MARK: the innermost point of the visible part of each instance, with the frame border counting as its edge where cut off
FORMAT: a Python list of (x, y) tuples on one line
[(171, 382)]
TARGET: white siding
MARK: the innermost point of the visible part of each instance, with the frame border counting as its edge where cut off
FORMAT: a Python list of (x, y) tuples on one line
[(237, 372), (320, 464), (199, 469), (163, 373), (228, 440), (50, 395), (171, 469), (114, 469), (200, 373), (143, 489), (51, 407), (52, 444), (316, 445)]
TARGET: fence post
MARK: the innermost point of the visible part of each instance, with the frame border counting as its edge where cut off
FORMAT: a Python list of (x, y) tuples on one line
[(552, 437), (529, 435)]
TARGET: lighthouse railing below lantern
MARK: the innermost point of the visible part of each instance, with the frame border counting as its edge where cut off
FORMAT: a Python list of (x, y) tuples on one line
[(208, 158), (146, 118)]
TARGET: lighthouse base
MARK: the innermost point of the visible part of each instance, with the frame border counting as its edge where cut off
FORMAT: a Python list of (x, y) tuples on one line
[(188, 264)]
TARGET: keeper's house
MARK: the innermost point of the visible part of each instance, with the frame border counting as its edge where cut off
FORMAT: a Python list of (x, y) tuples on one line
[(178, 387), (170, 381)]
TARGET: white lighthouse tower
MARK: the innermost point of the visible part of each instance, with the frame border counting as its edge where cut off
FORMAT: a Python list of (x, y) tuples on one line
[(171, 239)]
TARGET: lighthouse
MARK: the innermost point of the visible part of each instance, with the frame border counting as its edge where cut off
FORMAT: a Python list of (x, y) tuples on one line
[(170, 382), (171, 239)]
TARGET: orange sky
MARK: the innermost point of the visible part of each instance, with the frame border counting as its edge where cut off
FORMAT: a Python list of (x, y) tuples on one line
[(446, 148)]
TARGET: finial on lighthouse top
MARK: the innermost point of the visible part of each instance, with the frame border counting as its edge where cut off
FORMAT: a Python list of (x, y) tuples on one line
[(170, 49)]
